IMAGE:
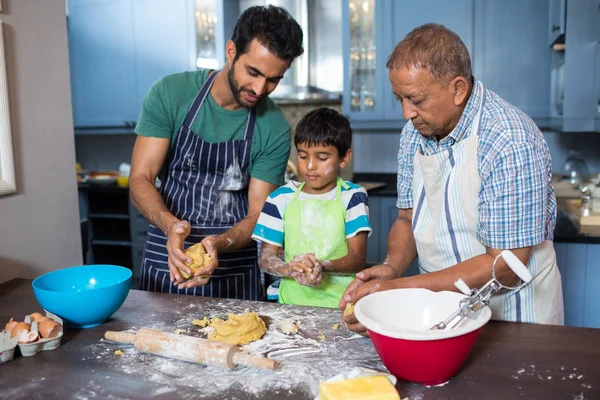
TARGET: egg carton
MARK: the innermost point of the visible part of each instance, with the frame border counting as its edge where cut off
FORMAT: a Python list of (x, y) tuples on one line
[(30, 349), (7, 347)]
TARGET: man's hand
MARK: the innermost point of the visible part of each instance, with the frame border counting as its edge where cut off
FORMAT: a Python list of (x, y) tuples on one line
[(176, 235), (381, 271), (375, 279), (202, 276)]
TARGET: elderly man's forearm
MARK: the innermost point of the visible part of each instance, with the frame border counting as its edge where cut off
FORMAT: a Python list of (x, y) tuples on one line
[(401, 248)]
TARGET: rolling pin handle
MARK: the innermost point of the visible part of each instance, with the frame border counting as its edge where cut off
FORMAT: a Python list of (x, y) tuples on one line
[(120, 337), (247, 359)]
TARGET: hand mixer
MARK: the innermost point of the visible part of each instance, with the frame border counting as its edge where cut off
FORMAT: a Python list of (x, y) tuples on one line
[(478, 298)]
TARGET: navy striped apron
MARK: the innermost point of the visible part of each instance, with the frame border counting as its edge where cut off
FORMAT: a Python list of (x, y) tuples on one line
[(206, 184)]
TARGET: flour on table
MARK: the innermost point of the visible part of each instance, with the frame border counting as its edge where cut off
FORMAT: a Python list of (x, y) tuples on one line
[(305, 359)]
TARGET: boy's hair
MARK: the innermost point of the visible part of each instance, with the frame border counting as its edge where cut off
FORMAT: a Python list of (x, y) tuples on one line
[(273, 27), (325, 127)]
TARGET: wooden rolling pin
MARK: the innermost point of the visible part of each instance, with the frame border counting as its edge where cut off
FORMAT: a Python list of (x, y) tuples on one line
[(192, 349)]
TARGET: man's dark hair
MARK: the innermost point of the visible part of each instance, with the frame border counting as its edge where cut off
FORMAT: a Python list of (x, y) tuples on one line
[(325, 127), (273, 27)]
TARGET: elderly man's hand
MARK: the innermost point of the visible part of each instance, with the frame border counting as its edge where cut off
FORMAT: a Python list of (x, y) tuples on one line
[(371, 280)]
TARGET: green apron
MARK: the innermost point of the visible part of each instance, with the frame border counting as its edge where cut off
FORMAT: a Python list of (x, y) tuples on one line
[(316, 226)]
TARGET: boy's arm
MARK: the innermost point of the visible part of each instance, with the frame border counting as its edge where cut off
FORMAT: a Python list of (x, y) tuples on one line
[(354, 261), (302, 269), (269, 261)]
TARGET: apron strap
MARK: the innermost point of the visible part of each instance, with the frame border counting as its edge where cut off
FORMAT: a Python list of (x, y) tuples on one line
[(198, 101), (338, 193), (297, 193)]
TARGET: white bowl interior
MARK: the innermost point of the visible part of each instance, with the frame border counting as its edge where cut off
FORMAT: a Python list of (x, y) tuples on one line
[(410, 313)]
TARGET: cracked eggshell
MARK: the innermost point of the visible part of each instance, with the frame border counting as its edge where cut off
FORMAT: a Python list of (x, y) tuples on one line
[(9, 325), (18, 327), (49, 329), (42, 344)]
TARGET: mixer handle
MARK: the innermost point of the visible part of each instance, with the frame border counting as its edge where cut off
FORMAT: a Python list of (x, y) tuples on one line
[(516, 265)]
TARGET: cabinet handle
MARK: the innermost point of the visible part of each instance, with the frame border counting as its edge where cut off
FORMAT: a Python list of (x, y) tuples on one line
[(555, 28)]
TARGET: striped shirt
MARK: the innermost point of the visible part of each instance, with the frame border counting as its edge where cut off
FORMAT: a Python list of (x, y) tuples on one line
[(269, 227), (517, 203)]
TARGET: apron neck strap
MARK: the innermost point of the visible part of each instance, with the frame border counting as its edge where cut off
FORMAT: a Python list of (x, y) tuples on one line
[(338, 189), (199, 101)]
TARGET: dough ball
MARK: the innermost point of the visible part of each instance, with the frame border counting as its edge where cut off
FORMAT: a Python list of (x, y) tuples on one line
[(199, 260)]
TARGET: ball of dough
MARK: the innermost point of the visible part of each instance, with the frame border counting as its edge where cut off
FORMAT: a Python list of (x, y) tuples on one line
[(199, 260)]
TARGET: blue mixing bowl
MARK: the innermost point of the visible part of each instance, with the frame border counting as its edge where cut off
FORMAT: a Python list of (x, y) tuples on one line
[(83, 296)]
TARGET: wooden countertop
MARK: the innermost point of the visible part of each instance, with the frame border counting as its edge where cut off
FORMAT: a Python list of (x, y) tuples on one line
[(509, 361)]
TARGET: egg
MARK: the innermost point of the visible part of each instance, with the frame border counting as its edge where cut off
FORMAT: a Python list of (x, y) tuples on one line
[(10, 325), (36, 316), (49, 329), (20, 326)]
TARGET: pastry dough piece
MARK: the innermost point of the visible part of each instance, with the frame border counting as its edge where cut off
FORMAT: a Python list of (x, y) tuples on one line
[(349, 309), (238, 329), (288, 327), (201, 322), (199, 260)]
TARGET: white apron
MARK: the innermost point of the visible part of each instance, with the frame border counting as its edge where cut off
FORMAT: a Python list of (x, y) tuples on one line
[(445, 210)]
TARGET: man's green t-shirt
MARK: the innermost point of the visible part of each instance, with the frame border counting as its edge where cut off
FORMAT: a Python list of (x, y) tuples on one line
[(169, 99)]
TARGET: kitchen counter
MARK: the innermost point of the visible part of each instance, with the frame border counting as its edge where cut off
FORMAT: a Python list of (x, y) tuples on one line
[(509, 360)]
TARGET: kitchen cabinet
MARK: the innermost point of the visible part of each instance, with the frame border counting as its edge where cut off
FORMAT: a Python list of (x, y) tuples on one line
[(101, 57), (364, 62), (456, 15), (580, 273), (576, 70), (117, 231), (510, 54), (556, 27), (507, 41), (118, 48), (383, 213)]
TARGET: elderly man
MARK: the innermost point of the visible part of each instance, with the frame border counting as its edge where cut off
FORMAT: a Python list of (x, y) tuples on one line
[(474, 178)]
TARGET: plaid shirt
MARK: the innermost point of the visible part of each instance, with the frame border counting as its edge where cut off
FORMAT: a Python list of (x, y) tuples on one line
[(517, 204)]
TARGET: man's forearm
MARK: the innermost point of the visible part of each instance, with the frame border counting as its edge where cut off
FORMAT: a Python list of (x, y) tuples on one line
[(238, 237), (401, 247), (148, 201)]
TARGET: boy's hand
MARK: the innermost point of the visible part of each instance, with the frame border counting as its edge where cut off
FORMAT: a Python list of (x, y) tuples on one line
[(312, 278), (305, 269)]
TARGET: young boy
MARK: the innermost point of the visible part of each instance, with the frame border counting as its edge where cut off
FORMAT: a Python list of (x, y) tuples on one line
[(322, 223)]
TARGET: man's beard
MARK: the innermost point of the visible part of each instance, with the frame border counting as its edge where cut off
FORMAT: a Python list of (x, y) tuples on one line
[(236, 90)]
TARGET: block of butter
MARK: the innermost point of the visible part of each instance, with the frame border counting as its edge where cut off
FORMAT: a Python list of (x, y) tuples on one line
[(365, 388)]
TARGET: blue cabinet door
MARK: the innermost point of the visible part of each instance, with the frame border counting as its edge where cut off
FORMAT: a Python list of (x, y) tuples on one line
[(165, 40), (456, 15), (374, 86), (389, 214), (373, 242), (101, 62), (556, 26), (580, 272), (511, 53)]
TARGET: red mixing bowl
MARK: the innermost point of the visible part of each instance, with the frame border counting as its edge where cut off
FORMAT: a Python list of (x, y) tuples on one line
[(398, 322)]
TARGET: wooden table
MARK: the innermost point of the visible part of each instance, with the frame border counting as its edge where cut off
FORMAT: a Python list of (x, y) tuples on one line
[(509, 360)]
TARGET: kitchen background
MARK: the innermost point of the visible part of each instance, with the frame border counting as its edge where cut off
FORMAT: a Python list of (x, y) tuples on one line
[(541, 55)]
